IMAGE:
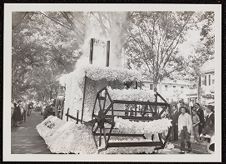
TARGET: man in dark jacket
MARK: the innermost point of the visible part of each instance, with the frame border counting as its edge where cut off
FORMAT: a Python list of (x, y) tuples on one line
[(200, 113), (174, 116), (17, 116), (30, 107), (208, 128)]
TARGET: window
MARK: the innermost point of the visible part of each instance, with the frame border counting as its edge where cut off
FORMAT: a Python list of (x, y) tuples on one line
[(151, 86), (182, 87), (174, 86), (209, 79), (166, 86)]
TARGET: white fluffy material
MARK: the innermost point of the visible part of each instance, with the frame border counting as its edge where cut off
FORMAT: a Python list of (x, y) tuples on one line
[(152, 127), (131, 94)]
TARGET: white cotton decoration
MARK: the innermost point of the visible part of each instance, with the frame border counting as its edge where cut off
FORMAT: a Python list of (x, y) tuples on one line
[(77, 139), (111, 74), (131, 94), (97, 79), (67, 137), (74, 138), (47, 127), (153, 127)]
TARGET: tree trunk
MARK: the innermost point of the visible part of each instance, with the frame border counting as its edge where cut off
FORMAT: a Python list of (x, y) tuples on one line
[(199, 89), (155, 84)]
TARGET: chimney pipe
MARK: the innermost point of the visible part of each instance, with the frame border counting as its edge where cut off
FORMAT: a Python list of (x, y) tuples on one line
[(108, 53), (91, 51)]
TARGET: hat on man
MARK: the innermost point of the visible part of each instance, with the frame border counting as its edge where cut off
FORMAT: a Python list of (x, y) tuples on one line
[(211, 107)]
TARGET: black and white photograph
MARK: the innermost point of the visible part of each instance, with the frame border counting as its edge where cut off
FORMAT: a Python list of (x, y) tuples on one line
[(112, 82)]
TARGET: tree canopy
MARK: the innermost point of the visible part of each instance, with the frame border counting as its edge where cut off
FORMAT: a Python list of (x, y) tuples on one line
[(153, 41), (48, 44), (44, 46)]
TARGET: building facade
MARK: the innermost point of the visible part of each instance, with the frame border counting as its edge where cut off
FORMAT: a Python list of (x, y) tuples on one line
[(208, 80), (172, 90)]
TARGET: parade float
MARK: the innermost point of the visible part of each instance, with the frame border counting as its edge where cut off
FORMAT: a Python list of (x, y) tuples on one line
[(105, 111)]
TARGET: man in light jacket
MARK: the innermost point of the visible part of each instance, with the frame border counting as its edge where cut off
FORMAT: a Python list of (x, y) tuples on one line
[(184, 129)]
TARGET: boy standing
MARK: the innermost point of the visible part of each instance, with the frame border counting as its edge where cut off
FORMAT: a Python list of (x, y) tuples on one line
[(184, 129)]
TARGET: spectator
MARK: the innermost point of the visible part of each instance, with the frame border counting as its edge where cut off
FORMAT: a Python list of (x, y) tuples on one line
[(200, 113), (16, 117), (180, 104), (184, 128), (175, 115), (191, 104), (195, 122), (49, 110), (43, 108), (30, 107), (23, 112), (12, 108), (208, 129), (166, 113)]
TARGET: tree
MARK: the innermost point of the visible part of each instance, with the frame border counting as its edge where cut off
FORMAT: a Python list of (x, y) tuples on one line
[(42, 49), (204, 50), (153, 40), (207, 39)]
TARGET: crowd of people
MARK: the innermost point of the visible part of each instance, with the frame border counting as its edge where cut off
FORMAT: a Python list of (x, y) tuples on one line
[(20, 111), (193, 120)]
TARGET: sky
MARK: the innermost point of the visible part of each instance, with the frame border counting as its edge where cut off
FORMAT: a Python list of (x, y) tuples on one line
[(187, 48)]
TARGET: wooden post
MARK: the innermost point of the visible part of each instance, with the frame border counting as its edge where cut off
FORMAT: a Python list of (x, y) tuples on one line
[(62, 112), (77, 116), (136, 104), (156, 103), (67, 113), (91, 51), (135, 109), (108, 53), (83, 100)]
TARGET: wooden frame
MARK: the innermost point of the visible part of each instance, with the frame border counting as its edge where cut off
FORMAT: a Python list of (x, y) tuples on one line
[(106, 116)]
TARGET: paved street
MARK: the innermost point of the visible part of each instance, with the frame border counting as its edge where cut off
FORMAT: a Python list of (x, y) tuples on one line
[(197, 148), (26, 140)]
